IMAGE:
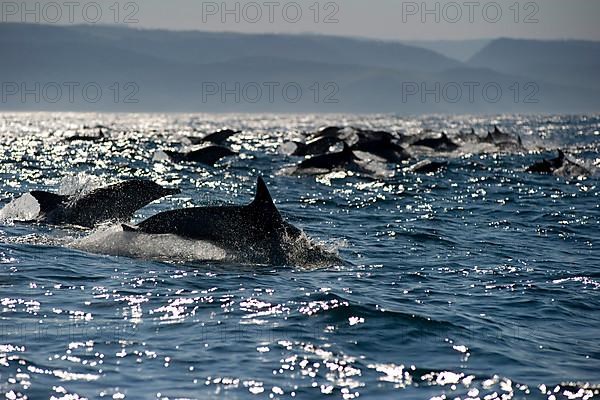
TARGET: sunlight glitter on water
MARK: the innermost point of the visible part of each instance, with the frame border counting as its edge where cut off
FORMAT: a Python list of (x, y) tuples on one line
[(435, 300)]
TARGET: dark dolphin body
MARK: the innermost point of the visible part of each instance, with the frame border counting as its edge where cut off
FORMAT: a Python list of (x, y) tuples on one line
[(428, 166), (316, 146), (560, 166), (330, 131), (390, 152), (502, 139), (208, 155), (497, 136), (548, 166), (365, 135), (216, 137), (88, 138), (331, 161), (442, 143), (256, 231), (381, 144), (114, 202)]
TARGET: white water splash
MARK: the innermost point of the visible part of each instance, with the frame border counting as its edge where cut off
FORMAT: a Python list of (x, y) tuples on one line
[(115, 242), (79, 184), (23, 208), (160, 156)]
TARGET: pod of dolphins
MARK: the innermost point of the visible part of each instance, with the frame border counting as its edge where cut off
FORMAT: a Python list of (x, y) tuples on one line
[(258, 228), (359, 145)]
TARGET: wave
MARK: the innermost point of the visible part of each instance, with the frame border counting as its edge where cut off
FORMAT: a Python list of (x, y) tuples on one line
[(337, 309), (114, 241)]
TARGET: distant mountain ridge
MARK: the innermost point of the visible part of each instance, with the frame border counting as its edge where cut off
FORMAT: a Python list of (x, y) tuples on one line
[(461, 50), (220, 72), (568, 62), (199, 47)]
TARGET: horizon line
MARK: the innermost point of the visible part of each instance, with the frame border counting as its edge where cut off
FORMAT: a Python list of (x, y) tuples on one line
[(136, 27)]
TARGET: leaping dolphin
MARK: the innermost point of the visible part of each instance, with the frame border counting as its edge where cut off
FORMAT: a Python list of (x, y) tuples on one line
[(316, 146), (548, 166), (218, 137), (255, 231), (441, 143), (329, 131), (115, 202), (503, 140), (331, 161), (428, 166), (559, 166), (208, 155), (381, 144)]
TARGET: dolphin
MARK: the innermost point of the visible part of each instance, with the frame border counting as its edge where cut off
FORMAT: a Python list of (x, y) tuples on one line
[(390, 152), (428, 166), (548, 166), (468, 135), (381, 144), (114, 202), (316, 146), (330, 161), (442, 143), (502, 139), (365, 135), (497, 136), (89, 138), (329, 131), (559, 166), (208, 155), (215, 137), (256, 231)]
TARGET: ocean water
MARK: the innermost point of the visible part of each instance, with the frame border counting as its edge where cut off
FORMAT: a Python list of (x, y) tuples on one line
[(481, 281)]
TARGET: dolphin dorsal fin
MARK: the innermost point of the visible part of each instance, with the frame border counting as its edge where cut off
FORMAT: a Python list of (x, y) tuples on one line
[(347, 149), (48, 201), (263, 197), (348, 153)]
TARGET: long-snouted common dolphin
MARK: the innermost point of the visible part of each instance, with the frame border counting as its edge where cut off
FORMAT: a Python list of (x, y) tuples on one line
[(256, 232), (116, 202), (548, 166), (440, 143), (218, 137), (208, 155), (560, 166), (330, 161)]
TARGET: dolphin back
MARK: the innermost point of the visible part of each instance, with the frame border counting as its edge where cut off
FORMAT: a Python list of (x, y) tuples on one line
[(49, 201)]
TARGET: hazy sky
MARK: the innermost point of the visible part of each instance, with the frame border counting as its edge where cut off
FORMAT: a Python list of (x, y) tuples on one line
[(385, 19)]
